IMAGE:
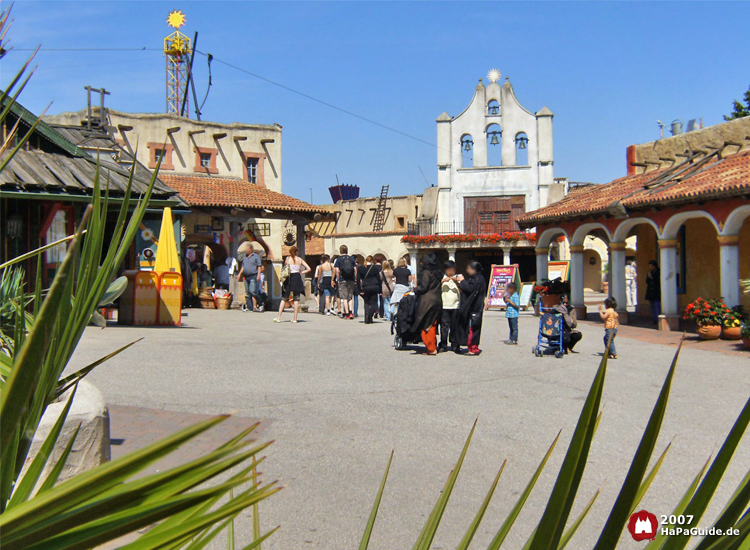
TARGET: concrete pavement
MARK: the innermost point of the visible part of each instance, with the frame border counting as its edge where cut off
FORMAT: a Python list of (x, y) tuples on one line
[(338, 398)]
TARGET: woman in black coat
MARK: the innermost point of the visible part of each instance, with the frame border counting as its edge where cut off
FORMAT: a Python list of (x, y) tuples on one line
[(473, 289), (368, 279), (653, 290), (429, 304)]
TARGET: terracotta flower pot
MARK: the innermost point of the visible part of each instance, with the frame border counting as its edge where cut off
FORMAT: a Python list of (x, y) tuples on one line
[(709, 332), (746, 341), (550, 300), (731, 333)]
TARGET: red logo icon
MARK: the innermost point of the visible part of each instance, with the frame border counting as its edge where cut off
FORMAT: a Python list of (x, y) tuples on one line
[(643, 525)]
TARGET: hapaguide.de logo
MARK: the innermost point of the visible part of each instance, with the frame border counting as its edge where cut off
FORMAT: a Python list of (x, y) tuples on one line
[(643, 525)]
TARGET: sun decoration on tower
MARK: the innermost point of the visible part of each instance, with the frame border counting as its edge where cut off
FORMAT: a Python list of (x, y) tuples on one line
[(177, 51), (494, 75), (176, 19)]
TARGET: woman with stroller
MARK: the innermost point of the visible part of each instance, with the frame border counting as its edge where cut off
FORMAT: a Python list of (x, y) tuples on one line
[(430, 303), (473, 289), (402, 281), (570, 336)]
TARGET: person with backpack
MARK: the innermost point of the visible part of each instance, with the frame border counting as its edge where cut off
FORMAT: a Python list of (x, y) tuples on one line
[(368, 276), (345, 269)]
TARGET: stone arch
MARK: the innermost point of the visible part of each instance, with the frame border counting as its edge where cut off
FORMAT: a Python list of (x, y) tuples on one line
[(521, 144), (467, 157), (672, 227), (621, 233), (735, 220), (494, 132), (545, 238), (585, 229)]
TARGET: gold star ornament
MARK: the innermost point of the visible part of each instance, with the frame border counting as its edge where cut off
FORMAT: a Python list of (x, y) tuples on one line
[(493, 75), (176, 19)]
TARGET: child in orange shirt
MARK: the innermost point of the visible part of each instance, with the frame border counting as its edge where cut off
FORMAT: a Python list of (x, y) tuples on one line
[(611, 322)]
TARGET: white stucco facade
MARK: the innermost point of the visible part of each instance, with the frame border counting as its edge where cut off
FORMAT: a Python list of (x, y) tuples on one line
[(464, 174)]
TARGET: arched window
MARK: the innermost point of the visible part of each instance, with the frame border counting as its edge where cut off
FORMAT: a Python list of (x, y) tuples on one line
[(467, 152), (522, 149), (493, 107), (494, 145)]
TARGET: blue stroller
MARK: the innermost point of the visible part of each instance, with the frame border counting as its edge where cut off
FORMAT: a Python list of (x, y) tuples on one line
[(551, 331)]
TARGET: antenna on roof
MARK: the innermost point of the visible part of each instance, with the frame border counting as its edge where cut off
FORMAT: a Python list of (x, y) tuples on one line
[(425, 177)]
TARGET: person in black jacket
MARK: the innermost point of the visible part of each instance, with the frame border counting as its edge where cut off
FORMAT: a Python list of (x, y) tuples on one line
[(368, 280), (430, 302), (473, 289), (653, 290)]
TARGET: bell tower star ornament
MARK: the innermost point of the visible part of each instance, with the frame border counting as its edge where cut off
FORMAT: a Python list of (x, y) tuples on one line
[(494, 75)]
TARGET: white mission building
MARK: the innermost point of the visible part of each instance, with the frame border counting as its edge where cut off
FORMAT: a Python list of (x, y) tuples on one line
[(495, 162)]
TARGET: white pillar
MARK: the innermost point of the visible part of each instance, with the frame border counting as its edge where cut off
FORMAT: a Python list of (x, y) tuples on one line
[(669, 318), (542, 263), (617, 285), (413, 261), (576, 279), (729, 266), (506, 256), (451, 254)]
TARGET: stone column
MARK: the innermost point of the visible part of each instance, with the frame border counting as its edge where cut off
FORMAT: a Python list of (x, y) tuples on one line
[(451, 254), (669, 318), (576, 280), (729, 266), (506, 256), (413, 260), (301, 239), (617, 285), (542, 263)]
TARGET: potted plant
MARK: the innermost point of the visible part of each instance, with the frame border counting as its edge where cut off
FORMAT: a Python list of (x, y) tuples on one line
[(745, 334), (708, 315), (550, 291), (731, 328)]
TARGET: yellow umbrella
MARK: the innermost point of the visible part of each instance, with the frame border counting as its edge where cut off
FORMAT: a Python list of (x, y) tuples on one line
[(166, 253)]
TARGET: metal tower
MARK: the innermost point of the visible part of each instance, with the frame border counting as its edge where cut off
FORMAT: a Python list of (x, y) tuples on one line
[(177, 52)]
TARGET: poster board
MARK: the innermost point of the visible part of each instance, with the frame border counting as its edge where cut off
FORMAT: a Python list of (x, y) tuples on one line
[(500, 276), (526, 291), (559, 269)]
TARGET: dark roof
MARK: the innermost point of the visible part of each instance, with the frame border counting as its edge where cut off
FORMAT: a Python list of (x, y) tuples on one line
[(234, 193), (707, 177), (68, 168)]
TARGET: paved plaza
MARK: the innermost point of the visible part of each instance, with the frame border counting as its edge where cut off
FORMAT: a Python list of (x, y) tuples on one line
[(336, 398)]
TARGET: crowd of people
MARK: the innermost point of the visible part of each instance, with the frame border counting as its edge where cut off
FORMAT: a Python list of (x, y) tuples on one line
[(449, 306)]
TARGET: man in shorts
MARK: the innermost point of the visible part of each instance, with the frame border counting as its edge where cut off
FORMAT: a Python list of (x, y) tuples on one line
[(345, 268)]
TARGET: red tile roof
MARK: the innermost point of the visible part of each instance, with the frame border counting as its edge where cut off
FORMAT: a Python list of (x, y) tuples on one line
[(709, 177), (233, 193)]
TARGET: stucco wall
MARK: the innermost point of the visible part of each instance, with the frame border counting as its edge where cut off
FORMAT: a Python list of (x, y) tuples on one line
[(702, 262), (647, 250)]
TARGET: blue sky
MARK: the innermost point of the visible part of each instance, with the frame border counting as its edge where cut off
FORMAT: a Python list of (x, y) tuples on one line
[(607, 70)]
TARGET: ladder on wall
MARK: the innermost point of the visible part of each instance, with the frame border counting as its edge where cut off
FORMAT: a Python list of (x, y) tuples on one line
[(378, 222)]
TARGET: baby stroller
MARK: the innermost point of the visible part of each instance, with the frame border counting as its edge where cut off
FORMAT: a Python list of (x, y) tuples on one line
[(550, 333), (402, 321)]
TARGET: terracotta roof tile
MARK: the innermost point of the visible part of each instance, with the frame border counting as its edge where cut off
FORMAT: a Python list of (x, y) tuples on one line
[(233, 193), (708, 177)]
